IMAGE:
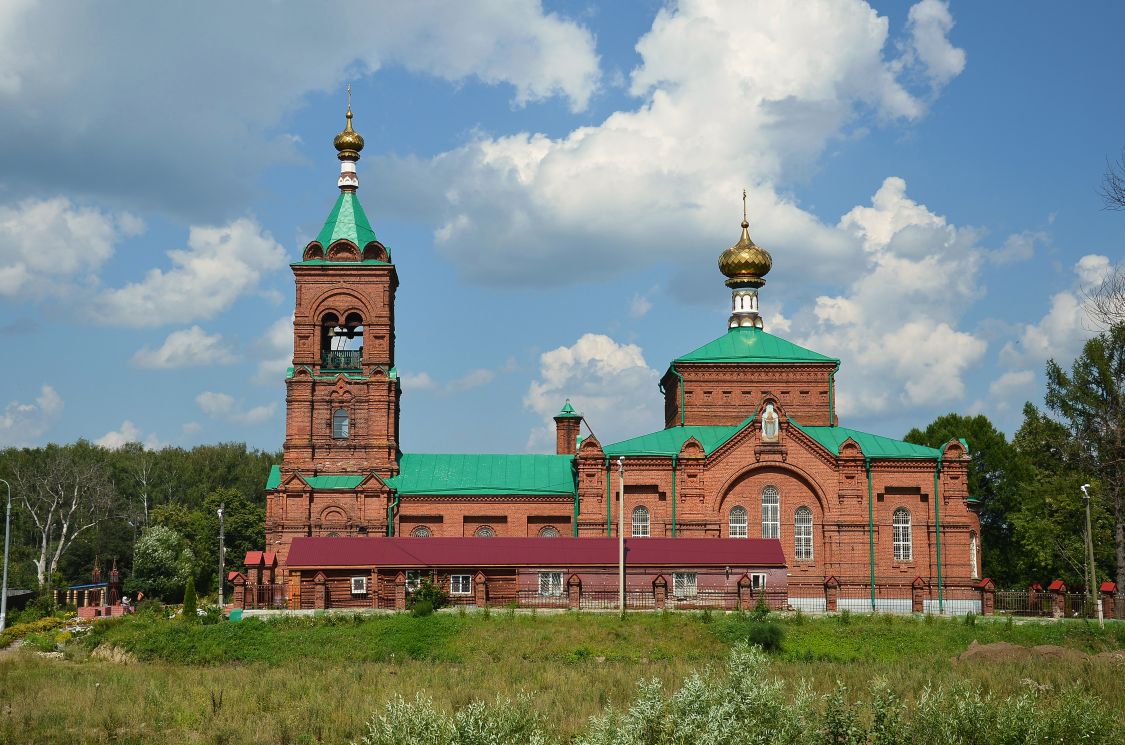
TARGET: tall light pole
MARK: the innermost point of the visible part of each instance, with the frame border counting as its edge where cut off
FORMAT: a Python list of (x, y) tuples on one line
[(621, 536), (221, 505), (1093, 579), (7, 537)]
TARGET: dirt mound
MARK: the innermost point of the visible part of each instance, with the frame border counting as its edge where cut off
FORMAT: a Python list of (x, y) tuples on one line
[(113, 654), (1005, 652)]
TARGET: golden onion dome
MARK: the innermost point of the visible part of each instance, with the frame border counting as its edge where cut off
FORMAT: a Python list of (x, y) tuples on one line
[(745, 263), (349, 142)]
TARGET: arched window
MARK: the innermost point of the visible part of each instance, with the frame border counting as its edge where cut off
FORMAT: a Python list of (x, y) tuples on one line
[(340, 424), (975, 572), (484, 531), (550, 531), (900, 529), (738, 522), (421, 532), (771, 512), (640, 522), (802, 534)]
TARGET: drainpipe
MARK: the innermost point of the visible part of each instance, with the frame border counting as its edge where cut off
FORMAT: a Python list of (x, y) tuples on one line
[(673, 496), (390, 516), (608, 502), (870, 528), (681, 379), (937, 530)]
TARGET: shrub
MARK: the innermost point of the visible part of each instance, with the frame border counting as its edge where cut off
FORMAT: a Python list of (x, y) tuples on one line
[(970, 619), (761, 610), (505, 722), (38, 626), (422, 608), (766, 635), (428, 592), (189, 601)]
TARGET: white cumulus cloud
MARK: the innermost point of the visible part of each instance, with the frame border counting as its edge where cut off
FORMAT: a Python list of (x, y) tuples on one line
[(220, 265), (276, 350), (24, 423), (128, 432), (192, 347), (609, 383), (224, 407)]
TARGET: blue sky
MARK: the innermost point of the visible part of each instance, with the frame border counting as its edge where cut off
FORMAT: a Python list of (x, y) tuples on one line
[(556, 181)]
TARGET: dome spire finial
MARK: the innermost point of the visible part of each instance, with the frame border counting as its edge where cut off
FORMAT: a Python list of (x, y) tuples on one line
[(745, 265), (348, 144)]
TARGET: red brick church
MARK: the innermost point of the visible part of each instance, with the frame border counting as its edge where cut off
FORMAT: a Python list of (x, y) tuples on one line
[(751, 447)]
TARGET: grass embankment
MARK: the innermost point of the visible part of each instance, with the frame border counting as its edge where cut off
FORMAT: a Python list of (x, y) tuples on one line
[(313, 680)]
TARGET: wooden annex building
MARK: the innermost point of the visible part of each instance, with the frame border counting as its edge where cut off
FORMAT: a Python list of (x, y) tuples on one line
[(752, 448)]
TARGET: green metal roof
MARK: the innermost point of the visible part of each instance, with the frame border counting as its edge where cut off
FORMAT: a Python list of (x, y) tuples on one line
[(325, 262), (669, 442), (392, 374), (873, 446), (274, 479), (346, 220), (443, 474), (745, 344), (348, 481), (568, 411)]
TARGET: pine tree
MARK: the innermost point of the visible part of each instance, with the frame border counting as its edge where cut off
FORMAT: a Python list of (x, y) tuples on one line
[(189, 600)]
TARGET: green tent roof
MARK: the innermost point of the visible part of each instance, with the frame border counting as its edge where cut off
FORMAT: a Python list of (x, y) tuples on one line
[(873, 446), (346, 481), (669, 442), (274, 479), (745, 344), (568, 411), (347, 220), (443, 474)]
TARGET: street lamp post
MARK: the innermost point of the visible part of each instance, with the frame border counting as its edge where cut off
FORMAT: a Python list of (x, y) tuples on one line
[(221, 505), (7, 540), (1093, 578), (621, 536)]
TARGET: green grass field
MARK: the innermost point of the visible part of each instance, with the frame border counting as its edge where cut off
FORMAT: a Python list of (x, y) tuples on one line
[(319, 679)]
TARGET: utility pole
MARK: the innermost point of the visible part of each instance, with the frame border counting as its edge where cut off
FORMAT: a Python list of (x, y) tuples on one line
[(621, 536), (7, 540), (221, 578), (1093, 579)]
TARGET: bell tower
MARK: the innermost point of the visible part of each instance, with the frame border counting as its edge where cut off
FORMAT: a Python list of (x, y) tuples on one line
[(342, 392)]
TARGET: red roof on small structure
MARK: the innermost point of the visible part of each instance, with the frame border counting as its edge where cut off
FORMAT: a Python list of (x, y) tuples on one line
[(350, 551), (253, 558), (1057, 585), (1110, 587), (232, 576), (270, 558)]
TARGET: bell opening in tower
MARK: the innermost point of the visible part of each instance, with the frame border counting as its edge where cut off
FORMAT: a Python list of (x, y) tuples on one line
[(341, 344)]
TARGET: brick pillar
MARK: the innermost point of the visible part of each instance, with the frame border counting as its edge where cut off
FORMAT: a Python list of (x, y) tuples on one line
[(574, 592), (1108, 590), (745, 592), (918, 592), (831, 589), (239, 591), (1058, 598), (320, 591), (373, 588), (400, 591), (480, 590), (659, 591), (987, 589)]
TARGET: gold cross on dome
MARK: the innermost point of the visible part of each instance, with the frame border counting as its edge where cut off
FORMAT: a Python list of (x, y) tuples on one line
[(349, 90), (744, 205)]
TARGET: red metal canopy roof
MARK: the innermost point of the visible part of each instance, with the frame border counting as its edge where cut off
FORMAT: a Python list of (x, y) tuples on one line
[(349, 551)]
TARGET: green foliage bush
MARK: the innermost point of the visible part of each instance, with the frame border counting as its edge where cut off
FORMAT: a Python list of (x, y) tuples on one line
[(419, 722), (38, 626), (190, 606), (163, 563), (766, 635), (422, 608), (428, 592)]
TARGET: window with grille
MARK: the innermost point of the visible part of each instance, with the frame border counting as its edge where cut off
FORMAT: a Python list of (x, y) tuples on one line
[(484, 531), (684, 584), (771, 512), (802, 534), (413, 579), (421, 532), (460, 584), (340, 424), (640, 522), (550, 584), (549, 532), (900, 528), (739, 522), (359, 585)]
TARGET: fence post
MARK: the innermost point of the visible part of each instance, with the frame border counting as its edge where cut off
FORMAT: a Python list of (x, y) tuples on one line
[(400, 591), (1108, 589), (987, 589), (480, 589), (373, 588), (574, 592), (320, 591), (239, 591), (918, 592), (1058, 593), (831, 590), (745, 592), (659, 591)]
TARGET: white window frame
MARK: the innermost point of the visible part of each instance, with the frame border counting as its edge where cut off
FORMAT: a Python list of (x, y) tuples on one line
[(359, 585), (550, 584), (341, 432), (758, 581), (413, 579), (902, 534), (974, 567), (771, 512), (465, 581), (803, 534), (640, 528), (685, 584), (739, 528)]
